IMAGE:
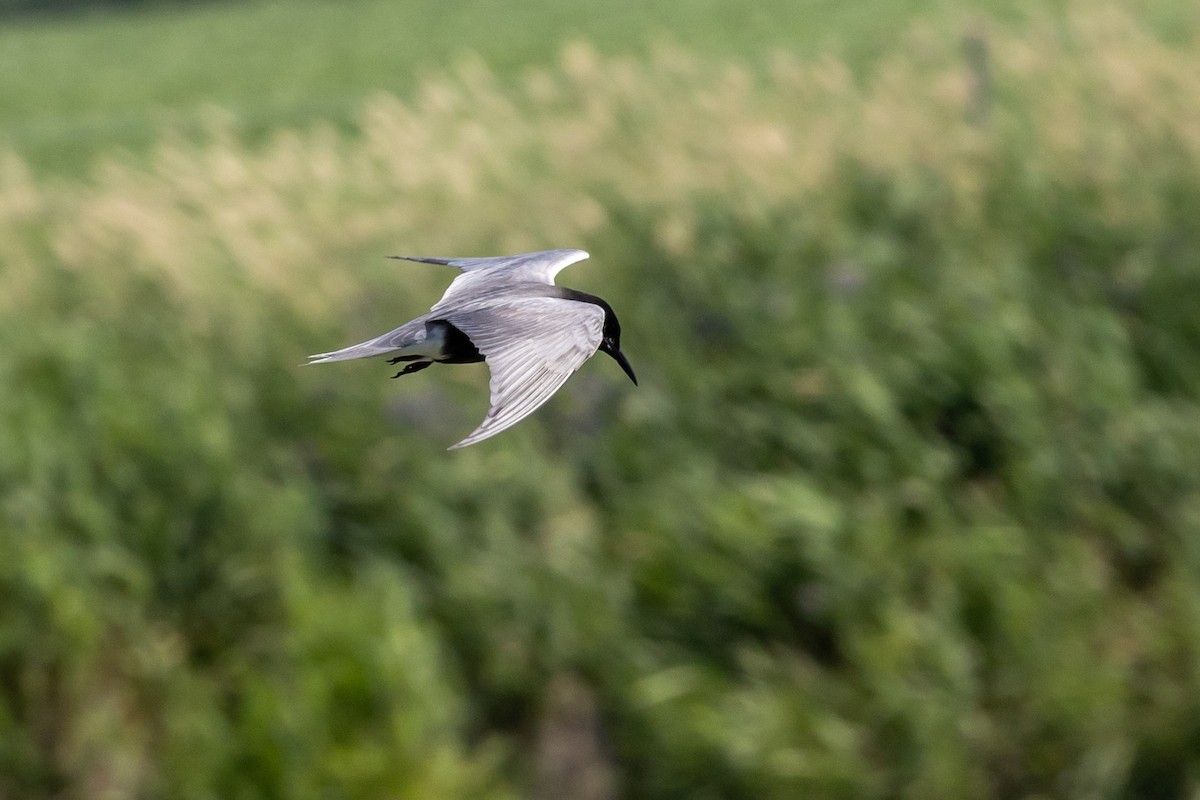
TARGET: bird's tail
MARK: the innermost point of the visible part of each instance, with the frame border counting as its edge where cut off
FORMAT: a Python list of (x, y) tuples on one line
[(408, 337), (364, 350)]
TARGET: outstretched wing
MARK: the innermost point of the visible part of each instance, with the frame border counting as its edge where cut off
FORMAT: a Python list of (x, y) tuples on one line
[(483, 274), (541, 266), (531, 346)]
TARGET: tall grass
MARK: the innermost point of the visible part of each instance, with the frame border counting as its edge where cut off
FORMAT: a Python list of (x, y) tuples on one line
[(112, 77), (907, 504)]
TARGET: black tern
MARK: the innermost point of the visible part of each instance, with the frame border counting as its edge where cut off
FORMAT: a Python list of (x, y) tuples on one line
[(508, 312)]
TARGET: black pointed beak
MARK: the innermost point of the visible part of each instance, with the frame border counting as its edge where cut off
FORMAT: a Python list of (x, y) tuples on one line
[(624, 362)]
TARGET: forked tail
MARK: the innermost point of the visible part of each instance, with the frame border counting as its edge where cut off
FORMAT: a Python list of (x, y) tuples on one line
[(409, 337)]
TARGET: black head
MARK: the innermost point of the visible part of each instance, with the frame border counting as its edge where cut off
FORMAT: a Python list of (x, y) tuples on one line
[(611, 343)]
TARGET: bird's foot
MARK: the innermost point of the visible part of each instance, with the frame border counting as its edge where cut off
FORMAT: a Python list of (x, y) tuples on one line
[(414, 367)]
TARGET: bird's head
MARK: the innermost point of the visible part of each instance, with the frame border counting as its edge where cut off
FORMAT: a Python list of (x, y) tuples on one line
[(611, 343)]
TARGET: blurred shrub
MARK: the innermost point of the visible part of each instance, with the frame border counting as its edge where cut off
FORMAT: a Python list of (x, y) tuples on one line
[(908, 503)]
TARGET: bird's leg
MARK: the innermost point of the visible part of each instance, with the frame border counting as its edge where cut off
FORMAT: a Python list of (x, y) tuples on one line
[(416, 366), (398, 359)]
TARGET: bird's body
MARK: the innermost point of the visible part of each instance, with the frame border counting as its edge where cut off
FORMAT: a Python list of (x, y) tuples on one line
[(508, 312)]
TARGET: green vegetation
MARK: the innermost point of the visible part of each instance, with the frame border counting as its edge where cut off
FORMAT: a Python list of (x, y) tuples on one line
[(70, 90), (907, 504)]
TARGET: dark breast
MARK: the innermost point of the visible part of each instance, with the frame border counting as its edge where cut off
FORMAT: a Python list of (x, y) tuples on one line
[(458, 347)]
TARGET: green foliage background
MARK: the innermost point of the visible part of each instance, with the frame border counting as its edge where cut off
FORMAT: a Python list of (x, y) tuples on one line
[(907, 504)]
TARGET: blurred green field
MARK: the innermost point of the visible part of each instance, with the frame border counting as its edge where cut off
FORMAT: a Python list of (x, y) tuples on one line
[(72, 87), (907, 504)]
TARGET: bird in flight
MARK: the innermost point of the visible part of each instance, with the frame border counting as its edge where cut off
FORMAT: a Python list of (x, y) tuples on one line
[(508, 312)]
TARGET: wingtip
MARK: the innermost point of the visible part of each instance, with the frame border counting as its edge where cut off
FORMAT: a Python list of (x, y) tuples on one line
[(476, 436), (467, 442), (421, 259)]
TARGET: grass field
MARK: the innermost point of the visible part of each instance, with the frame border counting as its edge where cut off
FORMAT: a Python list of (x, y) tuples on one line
[(74, 87), (907, 504)]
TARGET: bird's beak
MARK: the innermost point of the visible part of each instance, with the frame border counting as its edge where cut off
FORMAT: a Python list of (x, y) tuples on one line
[(624, 362)]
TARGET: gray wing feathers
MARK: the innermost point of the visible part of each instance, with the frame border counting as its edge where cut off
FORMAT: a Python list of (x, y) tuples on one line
[(542, 265), (482, 276), (465, 264), (532, 346)]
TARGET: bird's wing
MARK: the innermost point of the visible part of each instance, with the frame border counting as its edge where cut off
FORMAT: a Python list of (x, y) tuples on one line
[(531, 346), (541, 266), (485, 274)]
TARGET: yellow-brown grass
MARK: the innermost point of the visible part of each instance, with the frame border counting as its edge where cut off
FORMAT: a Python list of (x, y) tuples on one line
[(471, 165)]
